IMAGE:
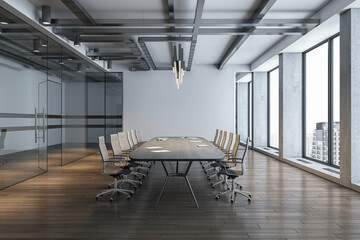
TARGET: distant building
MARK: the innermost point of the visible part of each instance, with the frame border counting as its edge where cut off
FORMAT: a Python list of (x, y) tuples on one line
[(317, 145)]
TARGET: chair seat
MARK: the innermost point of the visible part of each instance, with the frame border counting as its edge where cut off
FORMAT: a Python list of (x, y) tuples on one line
[(232, 173), (124, 171)]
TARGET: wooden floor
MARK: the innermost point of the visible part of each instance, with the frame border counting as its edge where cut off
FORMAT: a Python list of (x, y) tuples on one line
[(288, 203)]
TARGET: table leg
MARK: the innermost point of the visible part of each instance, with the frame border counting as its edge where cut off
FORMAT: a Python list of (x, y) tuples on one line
[(162, 190), (164, 184), (188, 183), (177, 175)]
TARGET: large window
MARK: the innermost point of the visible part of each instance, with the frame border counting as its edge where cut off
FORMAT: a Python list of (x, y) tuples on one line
[(273, 129), (322, 102)]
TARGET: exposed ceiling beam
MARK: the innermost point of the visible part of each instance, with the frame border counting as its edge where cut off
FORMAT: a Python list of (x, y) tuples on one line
[(189, 22), (164, 39), (143, 62), (171, 12), (147, 55), (102, 39), (71, 31), (198, 13), (79, 11), (257, 16)]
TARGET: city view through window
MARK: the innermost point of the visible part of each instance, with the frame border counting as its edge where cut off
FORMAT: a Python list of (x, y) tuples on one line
[(317, 104)]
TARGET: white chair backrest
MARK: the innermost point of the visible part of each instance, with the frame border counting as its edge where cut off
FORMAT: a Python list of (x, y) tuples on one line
[(104, 154), (135, 141), (101, 140), (138, 136), (124, 143), (115, 145), (129, 139)]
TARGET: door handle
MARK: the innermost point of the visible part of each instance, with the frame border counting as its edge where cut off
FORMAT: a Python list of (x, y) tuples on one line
[(43, 124), (36, 126)]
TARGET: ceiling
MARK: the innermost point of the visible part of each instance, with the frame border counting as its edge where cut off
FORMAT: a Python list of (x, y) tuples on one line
[(217, 43)]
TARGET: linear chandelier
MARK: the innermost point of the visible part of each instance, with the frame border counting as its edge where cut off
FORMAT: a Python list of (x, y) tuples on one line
[(179, 65)]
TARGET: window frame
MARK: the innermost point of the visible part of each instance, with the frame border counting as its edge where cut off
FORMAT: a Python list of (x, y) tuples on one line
[(268, 106), (329, 41), (250, 117)]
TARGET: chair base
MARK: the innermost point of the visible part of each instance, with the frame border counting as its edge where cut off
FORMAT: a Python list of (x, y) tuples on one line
[(116, 189), (233, 191)]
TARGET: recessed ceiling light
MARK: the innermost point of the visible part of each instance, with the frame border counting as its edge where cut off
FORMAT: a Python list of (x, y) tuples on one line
[(36, 45), (46, 15)]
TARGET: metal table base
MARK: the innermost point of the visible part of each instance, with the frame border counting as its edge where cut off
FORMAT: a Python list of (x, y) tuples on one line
[(177, 174)]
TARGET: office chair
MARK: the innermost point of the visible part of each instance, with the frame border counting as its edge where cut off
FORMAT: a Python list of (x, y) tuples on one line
[(218, 164), (226, 151), (116, 172), (129, 138), (138, 136), (223, 140), (216, 135), (134, 167), (229, 171), (219, 139), (133, 137), (217, 143), (125, 148)]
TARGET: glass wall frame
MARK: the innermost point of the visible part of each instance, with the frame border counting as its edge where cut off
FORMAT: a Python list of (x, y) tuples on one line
[(333, 101)]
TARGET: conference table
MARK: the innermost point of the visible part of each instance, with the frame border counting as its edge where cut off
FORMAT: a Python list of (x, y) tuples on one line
[(177, 149)]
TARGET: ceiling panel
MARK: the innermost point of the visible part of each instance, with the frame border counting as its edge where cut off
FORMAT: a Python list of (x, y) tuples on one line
[(124, 9), (209, 49), (229, 9)]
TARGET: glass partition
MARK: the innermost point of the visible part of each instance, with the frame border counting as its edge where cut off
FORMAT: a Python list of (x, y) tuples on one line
[(23, 98)]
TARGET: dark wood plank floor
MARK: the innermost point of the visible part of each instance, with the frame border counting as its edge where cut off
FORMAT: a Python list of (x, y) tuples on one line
[(288, 203)]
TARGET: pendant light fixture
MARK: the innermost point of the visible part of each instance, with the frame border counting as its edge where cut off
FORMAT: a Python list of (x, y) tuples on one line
[(178, 65)]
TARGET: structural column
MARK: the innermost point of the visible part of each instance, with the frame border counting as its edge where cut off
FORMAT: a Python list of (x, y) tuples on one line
[(260, 109), (290, 109), (350, 97)]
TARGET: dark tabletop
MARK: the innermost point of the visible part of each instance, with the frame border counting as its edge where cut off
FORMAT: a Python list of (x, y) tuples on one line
[(177, 149)]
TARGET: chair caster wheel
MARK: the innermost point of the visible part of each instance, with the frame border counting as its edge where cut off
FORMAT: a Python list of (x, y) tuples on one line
[(110, 199), (217, 197), (232, 201), (128, 198), (131, 194), (213, 187), (96, 197), (249, 195), (240, 187), (228, 188), (249, 200), (208, 178)]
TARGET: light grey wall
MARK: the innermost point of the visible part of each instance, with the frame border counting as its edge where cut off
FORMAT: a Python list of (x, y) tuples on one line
[(290, 110), (260, 109), (204, 102)]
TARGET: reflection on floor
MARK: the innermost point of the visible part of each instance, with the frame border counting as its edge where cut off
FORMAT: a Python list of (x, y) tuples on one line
[(16, 167), (19, 166), (288, 203)]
